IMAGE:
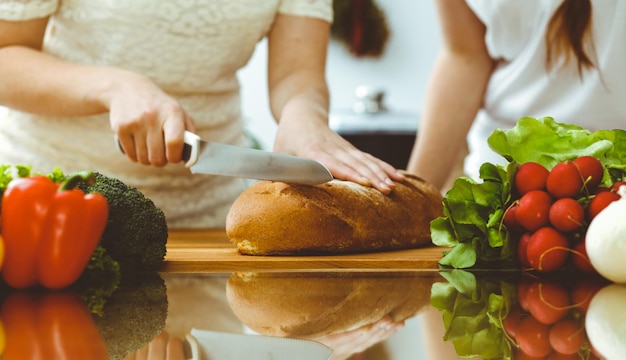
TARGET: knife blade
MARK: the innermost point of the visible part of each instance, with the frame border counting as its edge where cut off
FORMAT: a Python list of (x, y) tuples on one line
[(204, 157), (228, 160), (205, 344)]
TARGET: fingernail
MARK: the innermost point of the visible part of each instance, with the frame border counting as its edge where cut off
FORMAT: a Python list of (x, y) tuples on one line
[(390, 182), (386, 325), (384, 186), (364, 181), (400, 175)]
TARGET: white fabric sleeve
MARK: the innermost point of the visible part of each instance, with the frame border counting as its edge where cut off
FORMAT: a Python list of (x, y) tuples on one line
[(17, 10), (321, 9)]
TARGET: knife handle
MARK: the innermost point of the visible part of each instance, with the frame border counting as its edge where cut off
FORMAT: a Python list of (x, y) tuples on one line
[(190, 149)]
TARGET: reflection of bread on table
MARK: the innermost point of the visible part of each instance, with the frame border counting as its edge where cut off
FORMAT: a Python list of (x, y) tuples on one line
[(315, 305), (198, 302)]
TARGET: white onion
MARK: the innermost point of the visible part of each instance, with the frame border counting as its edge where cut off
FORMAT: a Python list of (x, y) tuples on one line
[(606, 240), (605, 322)]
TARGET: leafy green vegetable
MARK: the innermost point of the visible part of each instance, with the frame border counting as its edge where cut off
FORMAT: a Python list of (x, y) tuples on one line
[(472, 221), (101, 276), (134, 314), (9, 172), (473, 307), (136, 232), (99, 280), (548, 142), (472, 224), (134, 240)]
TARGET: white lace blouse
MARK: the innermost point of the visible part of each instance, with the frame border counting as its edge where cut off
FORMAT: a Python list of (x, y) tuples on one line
[(191, 48)]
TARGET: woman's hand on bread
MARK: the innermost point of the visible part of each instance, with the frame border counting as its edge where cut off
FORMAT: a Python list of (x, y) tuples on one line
[(343, 160), (299, 100), (346, 344)]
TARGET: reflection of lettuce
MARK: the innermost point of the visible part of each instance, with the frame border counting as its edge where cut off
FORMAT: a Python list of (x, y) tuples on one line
[(473, 307), (473, 211)]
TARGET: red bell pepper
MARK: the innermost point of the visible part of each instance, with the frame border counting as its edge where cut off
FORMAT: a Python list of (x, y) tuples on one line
[(49, 325), (50, 230)]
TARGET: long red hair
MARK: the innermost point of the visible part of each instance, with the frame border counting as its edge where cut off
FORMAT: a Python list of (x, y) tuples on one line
[(569, 33)]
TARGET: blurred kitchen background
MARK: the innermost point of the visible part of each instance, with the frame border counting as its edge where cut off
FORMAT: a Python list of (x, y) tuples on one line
[(401, 72)]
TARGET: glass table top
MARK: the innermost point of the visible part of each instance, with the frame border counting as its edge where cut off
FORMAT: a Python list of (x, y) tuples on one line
[(357, 315)]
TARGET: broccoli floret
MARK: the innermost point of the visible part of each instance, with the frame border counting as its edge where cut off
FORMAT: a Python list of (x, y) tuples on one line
[(136, 231), (133, 315), (132, 247), (99, 280)]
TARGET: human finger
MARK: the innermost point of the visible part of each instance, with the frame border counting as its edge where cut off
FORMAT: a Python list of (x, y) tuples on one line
[(141, 149), (375, 333), (157, 348), (156, 147), (175, 349), (140, 354), (173, 134), (165, 134), (362, 168), (127, 146), (380, 166)]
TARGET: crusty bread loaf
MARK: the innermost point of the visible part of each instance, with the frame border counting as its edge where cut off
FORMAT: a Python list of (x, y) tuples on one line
[(338, 217), (311, 305)]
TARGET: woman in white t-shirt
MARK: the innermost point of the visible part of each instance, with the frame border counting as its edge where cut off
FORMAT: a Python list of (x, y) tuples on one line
[(75, 72), (502, 60)]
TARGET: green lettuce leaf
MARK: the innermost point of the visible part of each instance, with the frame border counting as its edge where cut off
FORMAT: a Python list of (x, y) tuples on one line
[(472, 221), (472, 224), (548, 142)]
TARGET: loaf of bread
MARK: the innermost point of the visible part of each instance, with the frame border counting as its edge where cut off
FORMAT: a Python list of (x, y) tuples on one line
[(311, 305), (338, 217)]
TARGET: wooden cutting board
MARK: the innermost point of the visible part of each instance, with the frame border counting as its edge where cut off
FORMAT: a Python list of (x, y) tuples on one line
[(211, 251)]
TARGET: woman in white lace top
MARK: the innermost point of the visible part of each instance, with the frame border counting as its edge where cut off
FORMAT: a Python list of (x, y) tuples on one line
[(75, 72)]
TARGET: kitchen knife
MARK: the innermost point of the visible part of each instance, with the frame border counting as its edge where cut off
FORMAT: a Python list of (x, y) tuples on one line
[(204, 344), (228, 160)]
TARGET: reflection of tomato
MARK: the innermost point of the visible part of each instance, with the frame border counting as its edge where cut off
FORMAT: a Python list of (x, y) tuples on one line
[(54, 325)]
